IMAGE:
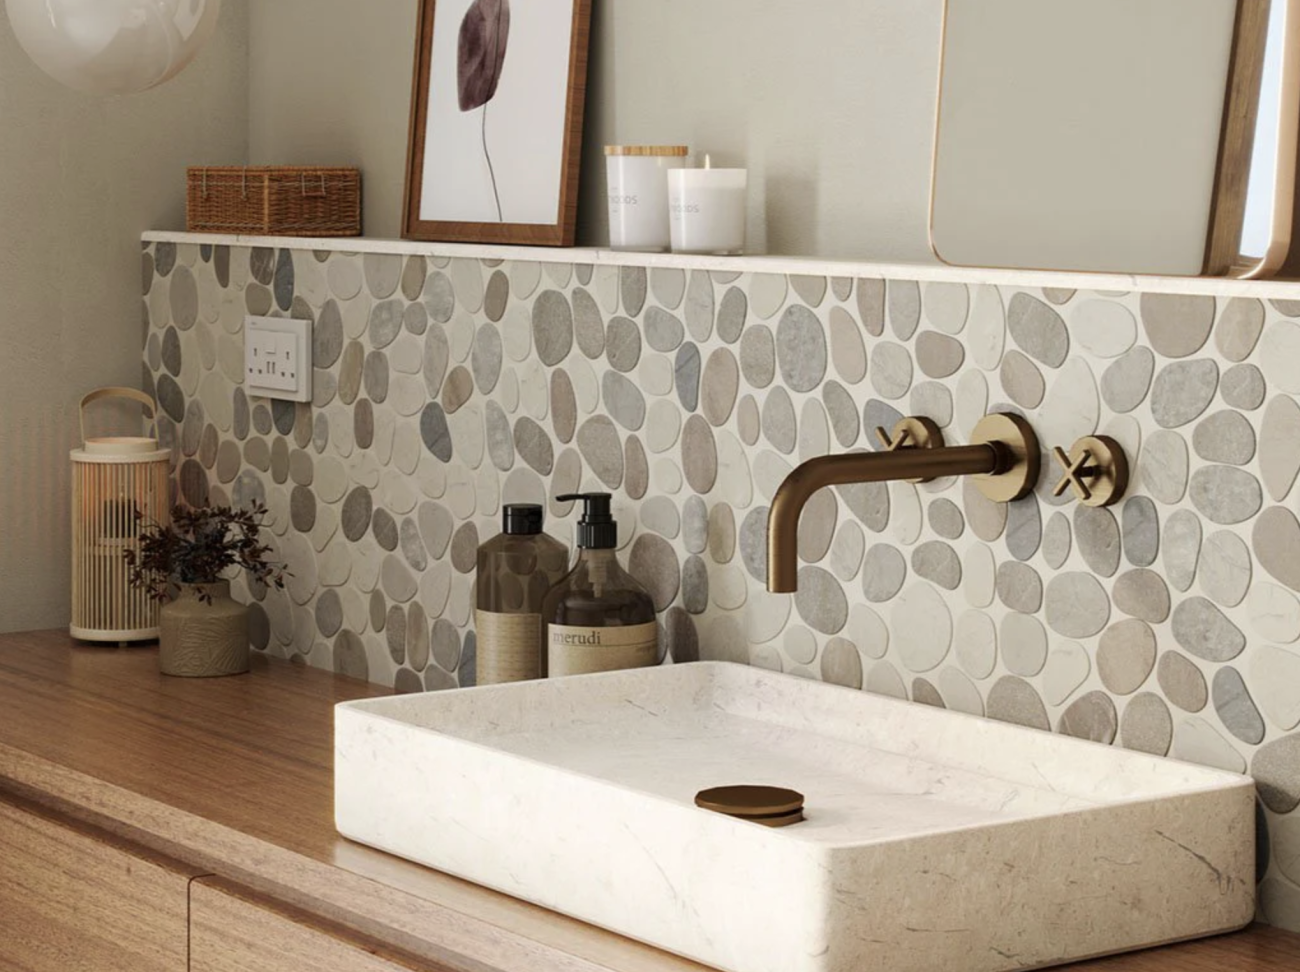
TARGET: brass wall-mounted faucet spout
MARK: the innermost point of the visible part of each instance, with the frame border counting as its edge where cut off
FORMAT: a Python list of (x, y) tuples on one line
[(1003, 457)]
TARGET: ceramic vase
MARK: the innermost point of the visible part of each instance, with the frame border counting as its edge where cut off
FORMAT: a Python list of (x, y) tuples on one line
[(204, 640)]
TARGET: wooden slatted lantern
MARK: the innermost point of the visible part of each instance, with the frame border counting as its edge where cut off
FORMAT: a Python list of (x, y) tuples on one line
[(113, 479)]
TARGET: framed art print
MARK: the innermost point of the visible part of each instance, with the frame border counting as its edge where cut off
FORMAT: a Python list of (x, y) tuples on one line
[(496, 121)]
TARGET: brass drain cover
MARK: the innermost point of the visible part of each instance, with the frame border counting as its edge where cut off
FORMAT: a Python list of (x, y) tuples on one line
[(768, 805)]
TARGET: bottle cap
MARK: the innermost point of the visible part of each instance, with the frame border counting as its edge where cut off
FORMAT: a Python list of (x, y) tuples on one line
[(597, 529), (521, 519)]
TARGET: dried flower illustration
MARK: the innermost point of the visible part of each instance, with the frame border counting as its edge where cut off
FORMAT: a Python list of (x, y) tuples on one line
[(484, 34)]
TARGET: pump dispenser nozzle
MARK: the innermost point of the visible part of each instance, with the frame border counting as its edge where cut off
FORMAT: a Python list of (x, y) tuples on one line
[(597, 529)]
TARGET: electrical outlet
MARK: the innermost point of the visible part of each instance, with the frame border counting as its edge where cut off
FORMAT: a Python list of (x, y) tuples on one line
[(277, 358)]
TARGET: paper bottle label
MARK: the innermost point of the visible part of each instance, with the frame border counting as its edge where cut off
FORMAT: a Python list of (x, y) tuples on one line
[(581, 651), (509, 647)]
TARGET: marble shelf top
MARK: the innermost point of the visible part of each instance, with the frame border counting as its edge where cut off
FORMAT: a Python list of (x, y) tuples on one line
[(1212, 286)]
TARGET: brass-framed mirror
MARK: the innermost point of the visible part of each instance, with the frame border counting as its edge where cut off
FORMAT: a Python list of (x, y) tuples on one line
[(1123, 136)]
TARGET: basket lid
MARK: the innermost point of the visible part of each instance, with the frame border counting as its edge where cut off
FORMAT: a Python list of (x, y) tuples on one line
[(120, 445)]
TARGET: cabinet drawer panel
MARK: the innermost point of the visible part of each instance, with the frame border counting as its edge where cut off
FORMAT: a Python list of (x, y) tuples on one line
[(233, 930), (73, 899)]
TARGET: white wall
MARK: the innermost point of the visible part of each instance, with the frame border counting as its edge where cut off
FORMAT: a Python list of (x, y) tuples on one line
[(331, 85), (80, 179), (831, 104)]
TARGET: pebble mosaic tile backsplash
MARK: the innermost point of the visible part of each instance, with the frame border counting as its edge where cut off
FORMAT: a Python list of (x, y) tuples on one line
[(446, 387)]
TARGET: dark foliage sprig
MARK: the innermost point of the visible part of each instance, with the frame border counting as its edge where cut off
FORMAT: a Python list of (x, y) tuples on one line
[(199, 546)]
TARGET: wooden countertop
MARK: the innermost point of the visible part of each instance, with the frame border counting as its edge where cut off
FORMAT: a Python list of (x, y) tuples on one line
[(235, 776)]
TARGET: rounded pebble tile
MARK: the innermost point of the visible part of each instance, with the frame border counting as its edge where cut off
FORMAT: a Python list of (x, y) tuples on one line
[(599, 443), (722, 533), (1022, 381), (1147, 726), (1225, 494), (976, 640), (922, 627), (686, 375), (1280, 356), (1067, 668), (871, 305), (847, 351), (1196, 741), (1182, 682), (1276, 769), (623, 344), (842, 411), (1226, 437), (1023, 642), (987, 519), (1142, 593), (820, 601), (758, 356), (937, 562), (1057, 541), (1182, 391), (841, 664), (1019, 587), (719, 385), (1274, 613), (1164, 467), (847, 550), (1038, 330), (1092, 717), (1235, 708), (632, 285), (1177, 325), (903, 299), (883, 573), (801, 349), (891, 370), (1239, 328), (1014, 700), (1225, 568), (1243, 386), (552, 327), (1126, 382), (1024, 528), (699, 454), (946, 519), (979, 573), (1274, 672), (1104, 327), (636, 466), (1279, 446), (1126, 656), (1204, 631), (1076, 605), (939, 355)]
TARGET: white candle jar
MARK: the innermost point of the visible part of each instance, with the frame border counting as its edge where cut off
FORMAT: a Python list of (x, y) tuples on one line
[(638, 194), (707, 210)]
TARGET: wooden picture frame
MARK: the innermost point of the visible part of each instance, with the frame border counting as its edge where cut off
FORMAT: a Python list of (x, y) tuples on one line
[(445, 198)]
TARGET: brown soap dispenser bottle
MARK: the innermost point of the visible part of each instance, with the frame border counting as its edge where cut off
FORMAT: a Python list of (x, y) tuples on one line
[(599, 619), (516, 568)]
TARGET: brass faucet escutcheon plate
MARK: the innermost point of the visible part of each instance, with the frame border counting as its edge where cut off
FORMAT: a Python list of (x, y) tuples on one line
[(1020, 460), (912, 433), (1096, 469)]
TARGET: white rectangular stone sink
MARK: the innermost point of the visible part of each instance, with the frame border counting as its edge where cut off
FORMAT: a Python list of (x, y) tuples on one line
[(934, 841)]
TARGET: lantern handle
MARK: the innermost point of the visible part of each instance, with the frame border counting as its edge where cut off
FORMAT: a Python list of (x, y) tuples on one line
[(129, 393)]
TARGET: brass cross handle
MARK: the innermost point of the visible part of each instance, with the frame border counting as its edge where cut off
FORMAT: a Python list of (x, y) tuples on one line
[(1096, 469), (911, 433)]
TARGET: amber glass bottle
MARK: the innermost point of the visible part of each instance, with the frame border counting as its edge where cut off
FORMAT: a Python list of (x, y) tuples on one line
[(599, 619), (515, 570)]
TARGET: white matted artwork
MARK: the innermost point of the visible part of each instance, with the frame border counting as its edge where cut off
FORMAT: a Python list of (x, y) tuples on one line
[(496, 120)]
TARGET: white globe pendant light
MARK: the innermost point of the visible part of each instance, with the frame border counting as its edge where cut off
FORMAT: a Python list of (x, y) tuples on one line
[(112, 46)]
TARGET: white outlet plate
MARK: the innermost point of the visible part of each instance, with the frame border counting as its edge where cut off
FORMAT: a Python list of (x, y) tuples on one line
[(277, 358)]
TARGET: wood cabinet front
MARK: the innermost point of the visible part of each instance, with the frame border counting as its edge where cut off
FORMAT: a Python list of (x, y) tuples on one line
[(73, 899), (233, 930)]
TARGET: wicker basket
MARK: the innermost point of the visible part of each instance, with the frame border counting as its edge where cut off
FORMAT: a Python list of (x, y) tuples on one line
[(274, 201)]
